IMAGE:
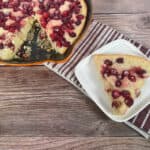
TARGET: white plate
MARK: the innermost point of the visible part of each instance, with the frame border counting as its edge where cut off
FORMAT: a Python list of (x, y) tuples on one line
[(86, 75)]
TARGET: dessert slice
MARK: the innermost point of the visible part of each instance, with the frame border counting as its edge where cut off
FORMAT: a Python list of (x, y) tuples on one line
[(15, 22), (123, 77), (63, 21)]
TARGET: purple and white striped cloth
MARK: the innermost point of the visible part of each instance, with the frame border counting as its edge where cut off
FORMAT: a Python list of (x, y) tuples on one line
[(97, 36)]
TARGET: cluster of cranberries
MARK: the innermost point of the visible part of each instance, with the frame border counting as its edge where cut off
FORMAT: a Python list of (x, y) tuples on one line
[(25, 8), (15, 4), (125, 94), (8, 44), (131, 74), (68, 24)]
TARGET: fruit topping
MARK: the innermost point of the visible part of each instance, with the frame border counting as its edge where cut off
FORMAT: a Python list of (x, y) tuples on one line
[(128, 101), (139, 71), (108, 62), (116, 94), (125, 93), (132, 78), (65, 11), (125, 73), (132, 74), (120, 60), (113, 71), (118, 83)]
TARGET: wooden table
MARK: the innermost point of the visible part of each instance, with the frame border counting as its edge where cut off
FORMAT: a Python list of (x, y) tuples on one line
[(41, 111)]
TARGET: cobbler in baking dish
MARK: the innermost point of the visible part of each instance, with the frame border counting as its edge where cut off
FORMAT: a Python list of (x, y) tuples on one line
[(61, 20)]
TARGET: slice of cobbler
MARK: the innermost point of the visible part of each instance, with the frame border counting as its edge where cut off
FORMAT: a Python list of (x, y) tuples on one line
[(123, 77)]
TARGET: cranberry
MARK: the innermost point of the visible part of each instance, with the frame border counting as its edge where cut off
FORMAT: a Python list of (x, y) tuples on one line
[(56, 16), (1, 46), (132, 78), (12, 29), (2, 17), (69, 26), (128, 101), (140, 72), (61, 32), (77, 10), (10, 44), (48, 5), (116, 104), (125, 93), (65, 13), (108, 62), (120, 60), (118, 83), (43, 22), (65, 20), (80, 17), (45, 15), (54, 37), (125, 73), (113, 71), (2, 37), (51, 16), (65, 43), (106, 71), (59, 44), (78, 22), (115, 94), (27, 9), (72, 34), (41, 6)]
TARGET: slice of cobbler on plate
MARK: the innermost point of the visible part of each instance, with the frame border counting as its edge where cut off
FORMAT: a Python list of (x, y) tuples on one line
[(123, 77)]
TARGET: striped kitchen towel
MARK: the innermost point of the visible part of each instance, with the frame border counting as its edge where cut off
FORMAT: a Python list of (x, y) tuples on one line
[(97, 36)]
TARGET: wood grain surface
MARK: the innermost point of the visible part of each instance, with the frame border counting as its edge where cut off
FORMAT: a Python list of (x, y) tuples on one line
[(41, 111), (75, 143)]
